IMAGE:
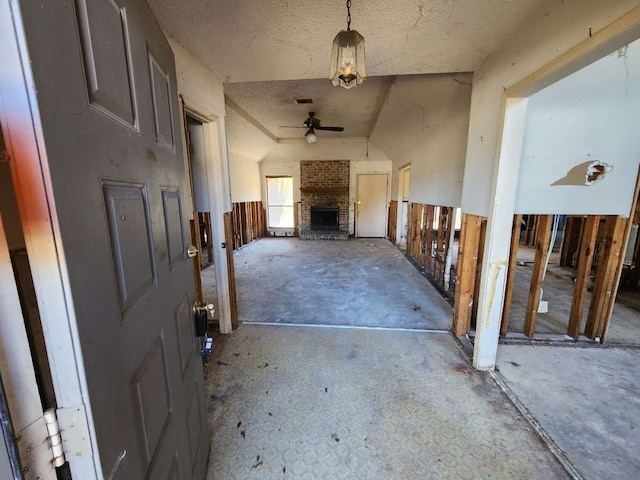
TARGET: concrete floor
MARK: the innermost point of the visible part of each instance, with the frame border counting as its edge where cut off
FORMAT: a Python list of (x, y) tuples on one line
[(364, 282), (331, 403), (587, 399)]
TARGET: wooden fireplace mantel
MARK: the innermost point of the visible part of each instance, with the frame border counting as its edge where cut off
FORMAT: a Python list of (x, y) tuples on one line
[(324, 189)]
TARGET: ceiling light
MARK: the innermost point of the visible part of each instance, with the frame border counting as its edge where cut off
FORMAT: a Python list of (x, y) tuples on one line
[(311, 136), (347, 58)]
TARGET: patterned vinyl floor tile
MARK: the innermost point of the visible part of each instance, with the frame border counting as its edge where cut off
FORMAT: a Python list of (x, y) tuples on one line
[(321, 403)]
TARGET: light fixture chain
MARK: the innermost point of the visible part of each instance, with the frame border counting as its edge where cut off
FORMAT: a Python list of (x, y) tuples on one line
[(348, 15)]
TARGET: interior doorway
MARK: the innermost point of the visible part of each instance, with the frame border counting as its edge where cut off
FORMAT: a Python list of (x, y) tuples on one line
[(201, 230), (371, 219)]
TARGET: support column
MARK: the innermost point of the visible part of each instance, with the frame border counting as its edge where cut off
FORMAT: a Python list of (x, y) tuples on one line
[(499, 230)]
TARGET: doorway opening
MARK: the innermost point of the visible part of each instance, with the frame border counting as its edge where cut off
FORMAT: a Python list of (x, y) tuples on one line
[(201, 230)]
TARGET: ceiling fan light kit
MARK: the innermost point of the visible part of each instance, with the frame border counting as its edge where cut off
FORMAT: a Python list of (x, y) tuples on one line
[(311, 136), (347, 58), (312, 124)]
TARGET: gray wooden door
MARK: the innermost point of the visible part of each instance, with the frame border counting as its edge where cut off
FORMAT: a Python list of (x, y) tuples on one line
[(106, 85)]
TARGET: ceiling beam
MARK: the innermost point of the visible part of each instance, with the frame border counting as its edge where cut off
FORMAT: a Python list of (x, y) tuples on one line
[(244, 114), (382, 100)]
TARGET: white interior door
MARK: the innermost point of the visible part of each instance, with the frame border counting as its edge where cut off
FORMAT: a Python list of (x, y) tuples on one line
[(371, 220), (119, 203)]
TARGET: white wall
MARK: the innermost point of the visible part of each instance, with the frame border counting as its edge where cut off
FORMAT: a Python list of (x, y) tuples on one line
[(554, 29), (246, 184), (425, 123), (589, 116)]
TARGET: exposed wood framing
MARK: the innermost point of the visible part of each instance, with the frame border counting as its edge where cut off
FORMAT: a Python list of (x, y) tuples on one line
[(445, 224), (197, 279), (531, 224), (429, 240), (466, 274), (543, 236), (511, 272), (206, 242), (623, 248), (586, 249), (571, 241), (392, 224), (476, 289), (228, 236), (603, 294), (414, 232), (248, 222)]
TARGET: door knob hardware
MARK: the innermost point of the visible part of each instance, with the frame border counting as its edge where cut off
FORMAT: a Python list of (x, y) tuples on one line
[(192, 251), (209, 308)]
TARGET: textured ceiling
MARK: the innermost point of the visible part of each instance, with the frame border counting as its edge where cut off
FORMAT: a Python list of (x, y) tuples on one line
[(272, 104), (269, 52), (256, 40)]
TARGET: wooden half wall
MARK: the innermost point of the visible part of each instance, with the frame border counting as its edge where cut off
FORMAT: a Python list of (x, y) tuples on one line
[(429, 243), (249, 223)]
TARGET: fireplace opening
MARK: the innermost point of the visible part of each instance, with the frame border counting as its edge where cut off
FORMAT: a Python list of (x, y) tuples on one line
[(324, 217)]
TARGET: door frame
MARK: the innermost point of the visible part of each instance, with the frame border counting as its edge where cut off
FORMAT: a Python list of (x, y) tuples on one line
[(387, 199), (401, 184), (24, 142), (219, 201)]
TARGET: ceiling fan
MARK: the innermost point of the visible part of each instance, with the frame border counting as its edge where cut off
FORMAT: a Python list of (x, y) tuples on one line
[(312, 124)]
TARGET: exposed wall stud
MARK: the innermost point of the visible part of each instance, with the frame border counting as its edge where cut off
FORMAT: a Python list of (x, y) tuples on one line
[(511, 273), (543, 236), (583, 274), (466, 273)]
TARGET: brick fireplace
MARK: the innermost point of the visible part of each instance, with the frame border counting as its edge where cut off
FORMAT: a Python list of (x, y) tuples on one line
[(324, 208)]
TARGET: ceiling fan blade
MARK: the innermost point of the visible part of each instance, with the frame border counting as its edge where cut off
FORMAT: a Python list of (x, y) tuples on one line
[(331, 129), (290, 126)]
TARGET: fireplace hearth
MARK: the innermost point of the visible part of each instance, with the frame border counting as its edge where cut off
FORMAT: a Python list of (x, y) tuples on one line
[(325, 218)]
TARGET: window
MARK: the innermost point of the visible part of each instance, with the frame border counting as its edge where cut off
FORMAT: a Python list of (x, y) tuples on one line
[(280, 202)]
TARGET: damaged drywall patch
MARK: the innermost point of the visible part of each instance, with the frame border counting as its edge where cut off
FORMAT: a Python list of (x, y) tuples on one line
[(585, 174)]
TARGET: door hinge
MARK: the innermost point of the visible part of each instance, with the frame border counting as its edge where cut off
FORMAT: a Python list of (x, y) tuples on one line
[(74, 429), (55, 439), (51, 440)]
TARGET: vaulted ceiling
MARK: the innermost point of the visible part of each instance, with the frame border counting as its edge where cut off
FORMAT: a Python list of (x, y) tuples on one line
[(271, 52)]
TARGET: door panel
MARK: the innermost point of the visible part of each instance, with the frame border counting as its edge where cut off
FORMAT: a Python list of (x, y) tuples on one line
[(372, 206), (107, 98)]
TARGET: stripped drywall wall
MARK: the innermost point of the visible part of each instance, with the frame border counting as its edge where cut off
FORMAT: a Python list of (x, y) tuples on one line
[(582, 148), (553, 30)]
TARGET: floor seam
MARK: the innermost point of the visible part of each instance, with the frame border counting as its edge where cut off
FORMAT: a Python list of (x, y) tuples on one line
[(349, 327), (553, 447)]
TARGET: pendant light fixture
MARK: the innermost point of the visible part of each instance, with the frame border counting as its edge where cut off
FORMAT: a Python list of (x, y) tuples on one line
[(347, 58)]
